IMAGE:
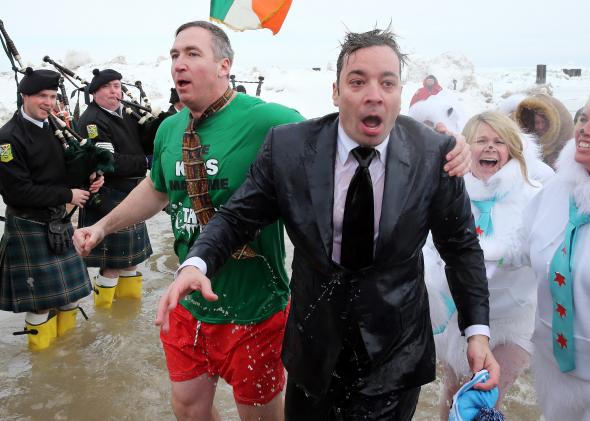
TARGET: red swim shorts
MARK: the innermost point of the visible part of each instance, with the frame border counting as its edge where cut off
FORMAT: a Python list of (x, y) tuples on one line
[(248, 357)]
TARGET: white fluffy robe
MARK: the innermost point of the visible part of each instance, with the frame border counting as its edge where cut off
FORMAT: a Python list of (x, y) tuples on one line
[(443, 107), (561, 397), (546, 218), (511, 281)]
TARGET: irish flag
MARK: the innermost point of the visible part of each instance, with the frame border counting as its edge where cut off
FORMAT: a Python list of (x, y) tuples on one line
[(250, 14)]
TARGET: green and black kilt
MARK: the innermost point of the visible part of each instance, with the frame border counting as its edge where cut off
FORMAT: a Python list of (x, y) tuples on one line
[(122, 249), (32, 276)]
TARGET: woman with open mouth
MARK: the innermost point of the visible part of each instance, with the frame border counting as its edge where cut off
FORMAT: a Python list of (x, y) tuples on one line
[(503, 179)]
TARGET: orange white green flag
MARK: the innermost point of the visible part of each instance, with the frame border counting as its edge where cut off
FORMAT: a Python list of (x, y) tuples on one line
[(250, 14)]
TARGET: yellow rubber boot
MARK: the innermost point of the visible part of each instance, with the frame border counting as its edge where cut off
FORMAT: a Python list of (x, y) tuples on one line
[(41, 335), (104, 291), (129, 286), (66, 320)]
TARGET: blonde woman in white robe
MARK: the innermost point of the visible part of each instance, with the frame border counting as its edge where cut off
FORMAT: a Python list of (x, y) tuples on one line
[(557, 223), (500, 187)]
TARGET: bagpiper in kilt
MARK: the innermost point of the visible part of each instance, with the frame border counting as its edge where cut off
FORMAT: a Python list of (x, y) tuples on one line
[(107, 125), (40, 272)]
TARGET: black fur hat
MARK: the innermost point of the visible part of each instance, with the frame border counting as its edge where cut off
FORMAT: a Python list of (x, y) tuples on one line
[(102, 77), (37, 80)]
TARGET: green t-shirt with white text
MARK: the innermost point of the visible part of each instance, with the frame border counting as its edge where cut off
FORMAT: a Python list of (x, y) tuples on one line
[(249, 290)]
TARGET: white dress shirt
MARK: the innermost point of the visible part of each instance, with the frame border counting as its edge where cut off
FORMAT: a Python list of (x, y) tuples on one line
[(31, 119), (117, 112)]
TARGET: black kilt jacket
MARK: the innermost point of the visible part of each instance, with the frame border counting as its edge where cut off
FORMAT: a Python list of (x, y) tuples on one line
[(293, 179)]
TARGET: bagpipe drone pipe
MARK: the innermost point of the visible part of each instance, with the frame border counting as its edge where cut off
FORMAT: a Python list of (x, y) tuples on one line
[(140, 111), (147, 117), (259, 82), (13, 56)]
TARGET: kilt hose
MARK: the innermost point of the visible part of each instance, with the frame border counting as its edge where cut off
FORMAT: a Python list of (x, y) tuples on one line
[(32, 277), (122, 249)]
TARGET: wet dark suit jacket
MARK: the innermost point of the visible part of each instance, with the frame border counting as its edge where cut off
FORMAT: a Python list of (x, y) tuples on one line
[(293, 179)]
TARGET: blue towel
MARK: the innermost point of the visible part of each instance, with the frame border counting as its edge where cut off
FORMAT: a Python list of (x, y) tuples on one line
[(468, 402)]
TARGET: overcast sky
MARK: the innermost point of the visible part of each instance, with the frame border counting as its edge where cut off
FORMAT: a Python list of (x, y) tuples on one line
[(491, 33)]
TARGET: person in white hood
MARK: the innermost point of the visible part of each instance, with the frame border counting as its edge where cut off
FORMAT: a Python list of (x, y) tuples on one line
[(557, 223), (500, 186)]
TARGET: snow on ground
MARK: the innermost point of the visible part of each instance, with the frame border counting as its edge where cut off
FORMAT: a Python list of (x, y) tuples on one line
[(310, 91)]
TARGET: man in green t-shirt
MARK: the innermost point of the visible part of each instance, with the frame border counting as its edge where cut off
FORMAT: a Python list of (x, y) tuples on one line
[(239, 336)]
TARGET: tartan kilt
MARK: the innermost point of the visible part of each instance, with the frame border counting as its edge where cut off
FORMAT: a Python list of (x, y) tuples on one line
[(122, 249), (32, 276)]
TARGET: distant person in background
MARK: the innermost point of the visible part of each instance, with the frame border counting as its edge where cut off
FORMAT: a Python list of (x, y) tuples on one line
[(547, 118), (557, 223), (430, 87), (509, 104), (439, 109), (175, 103), (39, 268), (241, 88), (500, 187)]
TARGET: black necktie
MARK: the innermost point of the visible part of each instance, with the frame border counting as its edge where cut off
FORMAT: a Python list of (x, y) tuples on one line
[(46, 126), (358, 220)]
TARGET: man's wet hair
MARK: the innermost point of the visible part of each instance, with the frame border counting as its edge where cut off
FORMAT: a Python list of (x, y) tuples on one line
[(354, 41), (219, 40)]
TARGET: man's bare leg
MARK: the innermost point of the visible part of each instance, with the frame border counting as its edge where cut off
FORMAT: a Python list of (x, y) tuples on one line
[(192, 400), (114, 273), (272, 411)]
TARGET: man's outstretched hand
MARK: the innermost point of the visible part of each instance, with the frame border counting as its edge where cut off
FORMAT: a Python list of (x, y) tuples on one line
[(189, 279)]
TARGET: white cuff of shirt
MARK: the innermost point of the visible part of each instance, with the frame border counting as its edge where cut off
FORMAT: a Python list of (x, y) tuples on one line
[(474, 330), (193, 261)]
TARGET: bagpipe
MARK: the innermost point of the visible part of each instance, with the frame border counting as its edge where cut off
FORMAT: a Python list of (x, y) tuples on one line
[(233, 81), (11, 50), (82, 157)]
